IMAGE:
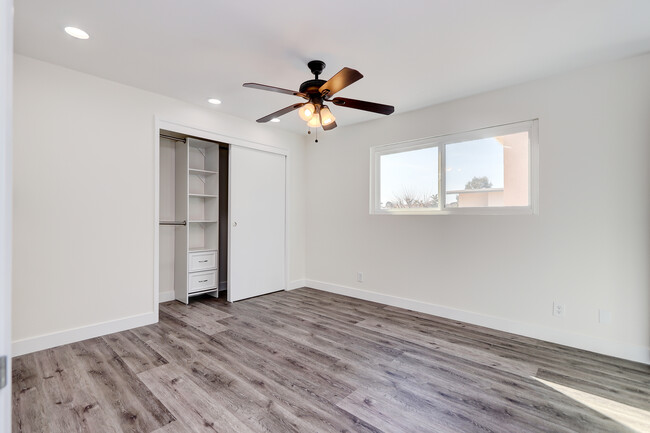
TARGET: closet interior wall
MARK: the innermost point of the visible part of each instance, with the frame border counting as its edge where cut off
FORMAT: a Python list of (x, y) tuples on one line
[(167, 213)]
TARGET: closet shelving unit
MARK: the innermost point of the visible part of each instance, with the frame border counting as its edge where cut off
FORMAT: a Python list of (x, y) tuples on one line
[(197, 199)]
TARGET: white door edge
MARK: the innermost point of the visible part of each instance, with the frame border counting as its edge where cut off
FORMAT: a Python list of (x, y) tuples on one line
[(6, 80)]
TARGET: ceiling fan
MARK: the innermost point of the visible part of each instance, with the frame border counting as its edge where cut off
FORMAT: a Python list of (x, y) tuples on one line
[(317, 93)]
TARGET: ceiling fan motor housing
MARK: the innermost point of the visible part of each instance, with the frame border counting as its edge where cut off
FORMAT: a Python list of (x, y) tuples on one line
[(310, 87)]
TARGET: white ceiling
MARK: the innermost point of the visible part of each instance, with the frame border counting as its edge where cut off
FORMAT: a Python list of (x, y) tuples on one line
[(412, 53)]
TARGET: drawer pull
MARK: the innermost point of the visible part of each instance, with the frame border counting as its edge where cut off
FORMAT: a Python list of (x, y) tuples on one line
[(203, 261), (203, 281)]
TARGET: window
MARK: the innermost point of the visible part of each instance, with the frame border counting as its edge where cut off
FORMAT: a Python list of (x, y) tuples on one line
[(487, 171)]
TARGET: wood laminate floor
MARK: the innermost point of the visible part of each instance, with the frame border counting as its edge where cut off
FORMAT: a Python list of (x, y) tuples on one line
[(309, 361)]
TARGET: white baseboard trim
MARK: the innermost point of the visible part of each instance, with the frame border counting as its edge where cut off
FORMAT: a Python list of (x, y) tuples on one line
[(42, 342), (166, 296), (296, 284), (605, 347)]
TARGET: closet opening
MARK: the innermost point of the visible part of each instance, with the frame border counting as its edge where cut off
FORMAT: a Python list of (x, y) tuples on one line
[(193, 217)]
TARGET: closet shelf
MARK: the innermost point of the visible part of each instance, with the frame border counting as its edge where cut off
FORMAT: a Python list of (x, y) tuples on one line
[(196, 201), (204, 195), (201, 172)]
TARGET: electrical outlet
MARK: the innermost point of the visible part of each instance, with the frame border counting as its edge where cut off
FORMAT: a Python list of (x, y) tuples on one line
[(360, 277), (559, 310), (604, 316)]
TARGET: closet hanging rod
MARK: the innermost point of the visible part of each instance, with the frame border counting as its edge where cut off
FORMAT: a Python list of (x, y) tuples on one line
[(172, 138), (173, 223)]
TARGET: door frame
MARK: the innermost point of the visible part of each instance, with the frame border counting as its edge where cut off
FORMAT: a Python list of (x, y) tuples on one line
[(6, 90), (213, 136)]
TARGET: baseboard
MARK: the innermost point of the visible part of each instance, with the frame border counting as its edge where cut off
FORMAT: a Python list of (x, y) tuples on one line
[(42, 342), (166, 296), (296, 284), (592, 344)]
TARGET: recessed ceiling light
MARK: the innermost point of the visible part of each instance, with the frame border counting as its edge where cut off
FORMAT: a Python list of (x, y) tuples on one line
[(214, 101), (275, 120), (76, 33)]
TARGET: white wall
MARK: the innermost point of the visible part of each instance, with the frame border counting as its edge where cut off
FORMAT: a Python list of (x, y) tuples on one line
[(588, 248), (84, 200)]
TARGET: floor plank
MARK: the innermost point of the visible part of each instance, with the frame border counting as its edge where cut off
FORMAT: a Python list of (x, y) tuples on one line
[(30, 407), (309, 361), (134, 352), (117, 388), (196, 315), (200, 411)]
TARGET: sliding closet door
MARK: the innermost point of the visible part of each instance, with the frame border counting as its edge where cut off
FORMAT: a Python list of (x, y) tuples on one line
[(256, 257)]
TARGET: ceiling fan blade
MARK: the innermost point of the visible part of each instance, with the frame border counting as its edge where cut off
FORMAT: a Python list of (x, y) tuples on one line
[(274, 89), (364, 105), (341, 80), (329, 126), (279, 113)]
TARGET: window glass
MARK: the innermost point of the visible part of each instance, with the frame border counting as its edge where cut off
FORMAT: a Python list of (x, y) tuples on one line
[(409, 179), (490, 172)]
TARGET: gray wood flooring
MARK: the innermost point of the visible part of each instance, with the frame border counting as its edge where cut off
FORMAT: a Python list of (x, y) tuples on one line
[(309, 361)]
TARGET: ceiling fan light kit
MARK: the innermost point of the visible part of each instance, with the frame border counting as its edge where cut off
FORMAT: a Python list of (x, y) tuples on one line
[(307, 111), (314, 122), (326, 116), (317, 92)]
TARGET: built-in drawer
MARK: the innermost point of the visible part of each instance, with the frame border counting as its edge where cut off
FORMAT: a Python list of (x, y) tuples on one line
[(202, 260), (202, 281)]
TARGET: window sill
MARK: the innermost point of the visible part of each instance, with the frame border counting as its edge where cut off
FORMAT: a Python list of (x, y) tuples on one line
[(459, 211)]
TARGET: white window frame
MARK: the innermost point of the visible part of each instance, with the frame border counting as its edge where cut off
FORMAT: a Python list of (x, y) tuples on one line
[(441, 142)]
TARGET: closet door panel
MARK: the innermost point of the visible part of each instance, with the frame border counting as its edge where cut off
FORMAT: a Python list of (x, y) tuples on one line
[(257, 223)]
